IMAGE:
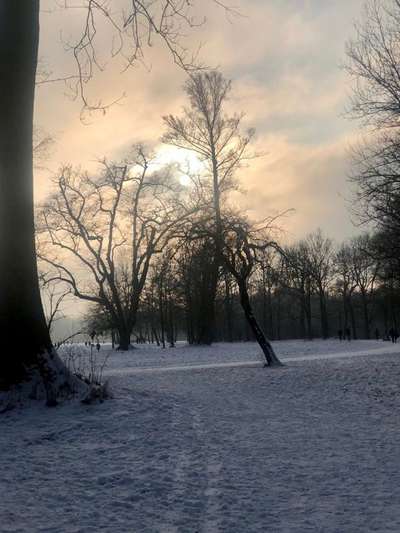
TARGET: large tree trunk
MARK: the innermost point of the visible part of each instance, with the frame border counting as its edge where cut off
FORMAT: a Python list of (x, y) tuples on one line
[(265, 345), (124, 337), (26, 353)]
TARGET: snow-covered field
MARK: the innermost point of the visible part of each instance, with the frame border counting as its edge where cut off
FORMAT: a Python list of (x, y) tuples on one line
[(210, 445)]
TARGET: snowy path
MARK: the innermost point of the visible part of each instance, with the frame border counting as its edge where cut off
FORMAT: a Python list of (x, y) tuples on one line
[(387, 349), (312, 447)]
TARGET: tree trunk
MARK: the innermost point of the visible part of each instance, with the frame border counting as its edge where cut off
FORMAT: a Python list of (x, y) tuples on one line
[(171, 328), (309, 312), (324, 315), (124, 339), (345, 311), (228, 310), (270, 329), (279, 317), (161, 311), (265, 345), (21, 312), (364, 300), (302, 314), (112, 339), (206, 311), (353, 320)]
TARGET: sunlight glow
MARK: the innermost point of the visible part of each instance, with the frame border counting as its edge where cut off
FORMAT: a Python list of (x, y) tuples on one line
[(188, 161), (185, 180)]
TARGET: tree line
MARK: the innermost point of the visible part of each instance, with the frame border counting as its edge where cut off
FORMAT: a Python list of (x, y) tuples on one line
[(161, 258), (312, 288)]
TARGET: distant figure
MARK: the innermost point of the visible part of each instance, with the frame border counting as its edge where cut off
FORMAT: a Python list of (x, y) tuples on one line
[(98, 346), (347, 334), (340, 334), (377, 335), (393, 334)]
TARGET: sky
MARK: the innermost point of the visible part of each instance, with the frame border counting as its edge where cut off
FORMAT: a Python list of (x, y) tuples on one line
[(284, 59)]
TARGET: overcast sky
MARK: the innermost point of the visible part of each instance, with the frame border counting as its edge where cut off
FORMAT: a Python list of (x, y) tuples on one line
[(283, 57)]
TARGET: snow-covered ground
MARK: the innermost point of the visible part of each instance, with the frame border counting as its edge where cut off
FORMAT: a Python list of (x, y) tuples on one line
[(311, 447)]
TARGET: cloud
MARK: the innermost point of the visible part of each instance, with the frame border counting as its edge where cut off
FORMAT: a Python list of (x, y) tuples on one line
[(283, 57), (310, 180)]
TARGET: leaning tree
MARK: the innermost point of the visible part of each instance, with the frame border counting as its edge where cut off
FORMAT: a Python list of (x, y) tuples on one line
[(21, 312), (242, 246)]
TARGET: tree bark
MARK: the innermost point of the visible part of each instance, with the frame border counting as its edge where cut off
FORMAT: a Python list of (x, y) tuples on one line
[(21, 312), (265, 345), (124, 340)]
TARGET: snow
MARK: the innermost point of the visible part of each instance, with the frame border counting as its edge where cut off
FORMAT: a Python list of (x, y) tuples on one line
[(311, 447)]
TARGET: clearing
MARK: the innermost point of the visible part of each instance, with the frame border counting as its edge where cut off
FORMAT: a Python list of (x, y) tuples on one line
[(205, 440)]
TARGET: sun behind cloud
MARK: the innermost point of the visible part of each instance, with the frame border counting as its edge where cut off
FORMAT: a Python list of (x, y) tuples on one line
[(189, 164)]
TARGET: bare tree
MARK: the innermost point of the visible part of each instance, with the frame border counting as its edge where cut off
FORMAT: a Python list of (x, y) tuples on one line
[(373, 64), (373, 58), (54, 295), (365, 270), (217, 140), (376, 175), (107, 230), (297, 278), (166, 284), (270, 281), (240, 249), (346, 285), (132, 27), (320, 254), (196, 262), (42, 145)]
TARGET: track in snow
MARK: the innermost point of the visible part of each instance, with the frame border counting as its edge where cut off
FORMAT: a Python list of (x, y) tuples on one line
[(388, 349)]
